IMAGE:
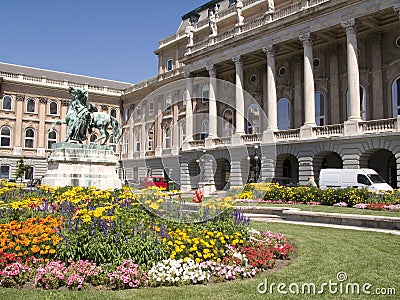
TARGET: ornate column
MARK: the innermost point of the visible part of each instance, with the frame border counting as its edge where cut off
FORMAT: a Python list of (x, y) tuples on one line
[(189, 106), (309, 93), (158, 128), (42, 132), (352, 70), (212, 103), (377, 78), (270, 51), (18, 130), (239, 94)]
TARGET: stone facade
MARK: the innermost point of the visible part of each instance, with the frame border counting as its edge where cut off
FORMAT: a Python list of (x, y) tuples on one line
[(250, 90)]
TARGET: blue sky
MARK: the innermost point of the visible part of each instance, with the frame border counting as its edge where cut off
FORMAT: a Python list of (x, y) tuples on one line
[(106, 39)]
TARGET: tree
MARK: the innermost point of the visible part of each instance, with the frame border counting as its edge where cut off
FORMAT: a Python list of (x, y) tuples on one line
[(21, 168)]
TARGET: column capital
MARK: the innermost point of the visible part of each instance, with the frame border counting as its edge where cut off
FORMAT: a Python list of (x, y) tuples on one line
[(306, 39), (270, 50), (212, 70), (238, 59), (350, 26)]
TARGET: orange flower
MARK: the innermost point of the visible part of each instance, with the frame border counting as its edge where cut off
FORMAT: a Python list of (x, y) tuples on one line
[(35, 249)]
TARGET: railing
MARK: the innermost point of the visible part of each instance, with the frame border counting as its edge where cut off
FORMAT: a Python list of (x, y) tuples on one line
[(59, 83), (224, 36), (222, 141), (197, 143), (285, 135), (376, 126), (329, 130), (287, 11), (251, 138)]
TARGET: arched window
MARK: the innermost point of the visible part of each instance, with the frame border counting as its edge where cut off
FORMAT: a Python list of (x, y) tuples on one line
[(53, 108), (31, 105), (396, 97), (151, 108), (150, 140), (167, 137), (363, 104), (319, 109), (283, 114), (29, 138), (227, 122), (113, 113), (51, 138), (5, 171), (253, 119), (205, 93), (204, 129), (138, 112), (6, 103), (5, 136)]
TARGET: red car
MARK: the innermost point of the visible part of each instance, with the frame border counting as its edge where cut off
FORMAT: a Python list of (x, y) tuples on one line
[(158, 181)]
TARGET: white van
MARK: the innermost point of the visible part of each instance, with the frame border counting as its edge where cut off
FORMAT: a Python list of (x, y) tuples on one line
[(357, 178)]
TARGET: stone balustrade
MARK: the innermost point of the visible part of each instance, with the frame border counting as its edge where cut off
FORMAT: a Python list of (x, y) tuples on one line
[(378, 126), (287, 135), (329, 130)]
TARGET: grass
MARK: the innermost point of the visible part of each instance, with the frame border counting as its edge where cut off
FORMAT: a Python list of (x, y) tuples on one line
[(330, 209), (366, 257)]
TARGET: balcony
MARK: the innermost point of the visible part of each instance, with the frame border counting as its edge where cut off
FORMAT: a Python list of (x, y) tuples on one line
[(363, 128)]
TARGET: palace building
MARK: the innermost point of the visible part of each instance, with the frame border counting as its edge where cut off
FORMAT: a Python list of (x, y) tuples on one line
[(245, 91)]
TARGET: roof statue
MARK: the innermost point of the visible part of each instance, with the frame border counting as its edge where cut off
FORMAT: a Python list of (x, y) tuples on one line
[(81, 119)]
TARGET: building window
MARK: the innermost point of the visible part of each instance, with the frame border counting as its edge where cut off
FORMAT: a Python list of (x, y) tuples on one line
[(396, 97), (319, 109), (363, 104), (204, 129), (137, 141), (253, 119), (5, 136), (282, 71), (151, 108), (7, 103), (51, 138), (168, 103), (138, 112), (53, 108), (29, 173), (205, 94), (150, 140), (253, 79), (29, 138), (167, 137), (169, 64), (227, 123), (316, 63), (113, 113), (31, 105), (125, 144), (126, 114), (283, 114), (4, 172)]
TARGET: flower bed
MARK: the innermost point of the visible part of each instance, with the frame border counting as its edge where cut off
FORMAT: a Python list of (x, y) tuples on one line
[(348, 197), (81, 237)]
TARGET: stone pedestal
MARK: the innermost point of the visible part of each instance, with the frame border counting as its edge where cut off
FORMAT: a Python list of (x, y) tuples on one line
[(82, 165)]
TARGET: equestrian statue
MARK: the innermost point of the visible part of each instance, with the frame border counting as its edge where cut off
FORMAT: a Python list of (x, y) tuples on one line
[(81, 119)]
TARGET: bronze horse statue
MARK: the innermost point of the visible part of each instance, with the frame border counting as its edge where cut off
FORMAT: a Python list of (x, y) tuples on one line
[(80, 118)]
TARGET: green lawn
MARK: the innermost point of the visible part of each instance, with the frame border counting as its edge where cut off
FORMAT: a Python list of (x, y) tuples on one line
[(366, 257), (329, 209)]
